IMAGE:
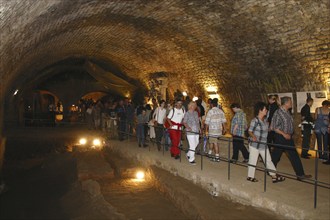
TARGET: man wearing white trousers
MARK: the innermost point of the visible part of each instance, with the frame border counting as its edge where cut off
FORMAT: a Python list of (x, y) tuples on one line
[(191, 121), (258, 132)]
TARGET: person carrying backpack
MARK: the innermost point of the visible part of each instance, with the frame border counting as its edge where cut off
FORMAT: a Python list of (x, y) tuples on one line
[(174, 121), (258, 132)]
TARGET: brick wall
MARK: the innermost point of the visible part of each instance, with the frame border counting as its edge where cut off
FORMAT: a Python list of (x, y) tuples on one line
[(245, 48)]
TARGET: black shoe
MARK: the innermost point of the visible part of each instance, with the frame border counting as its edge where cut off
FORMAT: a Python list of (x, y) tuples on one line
[(145, 145), (177, 157), (305, 157), (159, 147), (309, 155), (139, 145), (192, 163), (304, 177), (233, 161), (245, 161), (326, 162)]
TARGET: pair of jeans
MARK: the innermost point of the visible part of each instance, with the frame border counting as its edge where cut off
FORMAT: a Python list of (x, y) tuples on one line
[(271, 140), (122, 129), (322, 145), (238, 145), (306, 140), (159, 130), (167, 139), (289, 148), (140, 133)]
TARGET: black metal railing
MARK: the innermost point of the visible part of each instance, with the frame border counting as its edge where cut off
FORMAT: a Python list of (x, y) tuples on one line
[(229, 140)]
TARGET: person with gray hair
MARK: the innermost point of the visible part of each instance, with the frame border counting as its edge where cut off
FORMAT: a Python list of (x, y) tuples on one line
[(282, 124)]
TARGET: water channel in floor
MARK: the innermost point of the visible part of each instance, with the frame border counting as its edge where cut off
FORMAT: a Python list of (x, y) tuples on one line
[(41, 185)]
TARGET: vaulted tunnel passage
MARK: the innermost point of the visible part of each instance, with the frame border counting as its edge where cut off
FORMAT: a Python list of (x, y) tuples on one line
[(243, 49)]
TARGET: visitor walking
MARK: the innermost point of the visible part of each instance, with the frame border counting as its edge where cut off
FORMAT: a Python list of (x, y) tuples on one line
[(258, 132), (238, 127), (174, 119), (191, 121), (321, 129), (215, 126), (282, 124)]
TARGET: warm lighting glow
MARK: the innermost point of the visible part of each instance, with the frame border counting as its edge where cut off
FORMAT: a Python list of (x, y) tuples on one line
[(140, 175), (211, 89), (16, 91), (184, 93), (195, 99), (328, 81), (212, 96), (96, 142), (82, 141)]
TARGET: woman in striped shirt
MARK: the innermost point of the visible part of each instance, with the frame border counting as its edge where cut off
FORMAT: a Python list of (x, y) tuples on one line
[(258, 132)]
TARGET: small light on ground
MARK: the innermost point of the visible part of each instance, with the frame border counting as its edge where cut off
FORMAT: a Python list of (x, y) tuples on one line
[(97, 142), (140, 175), (82, 141)]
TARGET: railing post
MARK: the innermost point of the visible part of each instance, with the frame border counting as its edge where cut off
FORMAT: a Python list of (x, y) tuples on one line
[(266, 170), (315, 180), (180, 146), (201, 157), (228, 158)]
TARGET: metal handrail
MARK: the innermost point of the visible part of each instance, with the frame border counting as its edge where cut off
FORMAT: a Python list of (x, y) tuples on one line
[(314, 181), (317, 183)]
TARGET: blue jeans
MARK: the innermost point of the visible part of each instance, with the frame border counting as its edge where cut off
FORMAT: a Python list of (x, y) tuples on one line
[(167, 139), (140, 133), (322, 145)]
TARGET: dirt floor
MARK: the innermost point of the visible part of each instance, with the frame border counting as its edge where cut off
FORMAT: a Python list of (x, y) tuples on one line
[(47, 182)]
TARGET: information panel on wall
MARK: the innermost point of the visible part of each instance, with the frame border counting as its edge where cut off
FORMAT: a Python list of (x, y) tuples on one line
[(317, 96), (280, 95)]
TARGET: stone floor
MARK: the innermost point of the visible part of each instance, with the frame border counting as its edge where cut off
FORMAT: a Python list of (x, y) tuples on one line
[(291, 199)]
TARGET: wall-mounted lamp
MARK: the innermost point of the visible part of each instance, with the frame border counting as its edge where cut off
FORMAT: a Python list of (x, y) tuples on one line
[(184, 94), (211, 89), (195, 98), (15, 93)]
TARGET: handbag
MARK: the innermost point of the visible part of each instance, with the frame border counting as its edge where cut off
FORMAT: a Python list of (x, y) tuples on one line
[(167, 124)]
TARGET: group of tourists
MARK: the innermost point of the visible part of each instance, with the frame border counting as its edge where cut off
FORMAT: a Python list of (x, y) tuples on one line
[(270, 132)]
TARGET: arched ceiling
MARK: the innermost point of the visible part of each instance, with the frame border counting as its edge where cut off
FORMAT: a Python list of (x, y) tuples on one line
[(245, 48)]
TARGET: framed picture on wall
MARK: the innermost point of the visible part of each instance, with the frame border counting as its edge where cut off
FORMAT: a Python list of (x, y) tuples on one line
[(280, 95), (317, 96)]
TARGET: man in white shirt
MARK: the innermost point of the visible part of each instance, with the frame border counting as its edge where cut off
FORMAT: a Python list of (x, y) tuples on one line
[(159, 117), (215, 123), (174, 118)]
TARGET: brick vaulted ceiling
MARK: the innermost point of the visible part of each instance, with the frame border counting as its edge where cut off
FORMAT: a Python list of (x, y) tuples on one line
[(246, 48)]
